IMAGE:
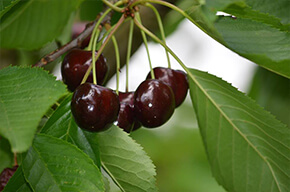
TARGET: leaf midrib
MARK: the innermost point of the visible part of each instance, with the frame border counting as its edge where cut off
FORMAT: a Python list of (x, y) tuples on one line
[(234, 126)]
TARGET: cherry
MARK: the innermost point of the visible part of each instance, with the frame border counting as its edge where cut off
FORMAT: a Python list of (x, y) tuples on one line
[(126, 118), (94, 107), (75, 65), (5, 175), (182, 86), (176, 79), (77, 29), (154, 103)]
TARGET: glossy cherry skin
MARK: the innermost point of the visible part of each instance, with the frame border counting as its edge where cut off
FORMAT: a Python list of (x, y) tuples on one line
[(181, 87), (154, 103), (126, 118), (75, 65), (94, 107), (176, 79), (5, 175)]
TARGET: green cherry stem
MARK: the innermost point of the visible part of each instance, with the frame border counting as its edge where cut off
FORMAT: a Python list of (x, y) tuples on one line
[(97, 27), (137, 17), (129, 48), (114, 7), (96, 30), (149, 33), (94, 56), (161, 29), (118, 24), (173, 7), (117, 62), (108, 27)]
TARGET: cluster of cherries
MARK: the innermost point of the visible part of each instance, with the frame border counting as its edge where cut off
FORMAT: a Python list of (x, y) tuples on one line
[(95, 107), (5, 175)]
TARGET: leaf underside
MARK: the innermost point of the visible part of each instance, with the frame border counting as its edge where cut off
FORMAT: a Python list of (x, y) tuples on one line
[(247, 147), (257, 30)]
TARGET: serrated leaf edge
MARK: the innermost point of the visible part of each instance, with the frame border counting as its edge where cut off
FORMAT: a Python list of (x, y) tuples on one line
[(233, 125)]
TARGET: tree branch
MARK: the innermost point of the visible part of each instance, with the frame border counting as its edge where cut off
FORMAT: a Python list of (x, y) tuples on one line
[(72, 44)]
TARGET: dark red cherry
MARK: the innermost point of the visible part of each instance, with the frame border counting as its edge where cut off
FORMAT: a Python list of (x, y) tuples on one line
[(77, 29), (181, 85), (5, 175), (75, 65), (176, 79), (154, 103), (126, 118), (94, 107)]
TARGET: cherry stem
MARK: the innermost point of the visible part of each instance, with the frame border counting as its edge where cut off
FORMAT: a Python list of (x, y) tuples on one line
[(108, 27), (161, 30), (137, 17), (15, 159), (149, 33), (118, 24), (70, 45), (173, 7), (95, 38), (129, 48), (94, 57), (112, 6), (75, 42), (89, 48), (117, 63)]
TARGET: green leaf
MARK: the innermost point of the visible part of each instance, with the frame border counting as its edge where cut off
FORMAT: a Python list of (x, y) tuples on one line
[(89, 9), (272, 92), (33, 23), (17, 182), (258, 32), (126, 162), (62, 125), (267, 46), (25, 95), (247, 147), (6, 155), (6, 5), (52, 164)]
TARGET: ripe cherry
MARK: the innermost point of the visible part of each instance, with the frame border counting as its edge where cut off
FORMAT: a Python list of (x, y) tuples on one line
[(181, 87), (126, 118), (94, 107), (77, 29), (154, 103), (176, 79), (5, 175), (75, 65)]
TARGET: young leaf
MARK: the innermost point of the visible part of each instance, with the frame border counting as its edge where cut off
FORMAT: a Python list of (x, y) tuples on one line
[(52, 164), (62, 125), (247, 147), (126, 162), (25, 95), (17, 182), (31, 24)]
